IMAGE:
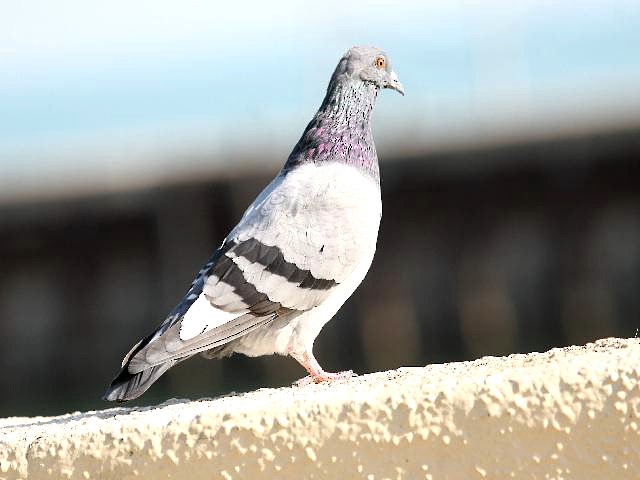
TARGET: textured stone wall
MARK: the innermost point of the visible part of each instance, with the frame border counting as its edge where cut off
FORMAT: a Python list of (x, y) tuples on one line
[(570, 413)]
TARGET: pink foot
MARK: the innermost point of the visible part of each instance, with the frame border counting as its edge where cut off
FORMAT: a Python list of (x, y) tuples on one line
[(316, 373), (324, 377)]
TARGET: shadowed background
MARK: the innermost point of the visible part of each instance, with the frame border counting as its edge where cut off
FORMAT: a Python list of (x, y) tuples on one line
[(132, 137)]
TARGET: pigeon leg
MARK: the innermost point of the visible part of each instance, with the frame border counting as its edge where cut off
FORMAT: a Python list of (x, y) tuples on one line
[(316, 372)]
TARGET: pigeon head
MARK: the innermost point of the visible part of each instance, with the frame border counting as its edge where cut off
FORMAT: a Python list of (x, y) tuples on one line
[(340, 131), (367, 64)]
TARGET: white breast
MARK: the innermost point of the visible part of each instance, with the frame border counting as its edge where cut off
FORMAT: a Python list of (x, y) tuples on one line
[(323, 217)]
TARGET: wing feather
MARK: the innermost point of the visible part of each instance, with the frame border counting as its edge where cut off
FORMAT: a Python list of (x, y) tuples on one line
[(293, 246)]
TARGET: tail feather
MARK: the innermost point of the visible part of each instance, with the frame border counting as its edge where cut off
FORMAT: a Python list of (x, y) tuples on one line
[(127, 386)]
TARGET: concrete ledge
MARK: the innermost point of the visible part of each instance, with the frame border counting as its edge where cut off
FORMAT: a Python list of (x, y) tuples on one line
[(568, 413)]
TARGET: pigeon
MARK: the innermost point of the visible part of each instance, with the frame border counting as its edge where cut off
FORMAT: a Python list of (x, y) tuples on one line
[(298, 253)]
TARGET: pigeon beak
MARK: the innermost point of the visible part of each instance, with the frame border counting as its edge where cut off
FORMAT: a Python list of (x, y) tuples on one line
[(395, 83)]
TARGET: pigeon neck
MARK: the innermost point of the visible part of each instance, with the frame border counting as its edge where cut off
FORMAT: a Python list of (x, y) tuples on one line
[(341, 129)]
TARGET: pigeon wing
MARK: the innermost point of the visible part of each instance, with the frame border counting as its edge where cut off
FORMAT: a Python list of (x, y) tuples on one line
[(274, 264)]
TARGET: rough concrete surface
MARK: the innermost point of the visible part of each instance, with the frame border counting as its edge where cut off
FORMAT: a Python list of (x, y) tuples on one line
[(568, 413)]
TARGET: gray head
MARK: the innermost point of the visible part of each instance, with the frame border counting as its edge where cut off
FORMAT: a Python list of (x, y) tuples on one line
[(341, 128), (369, 64)]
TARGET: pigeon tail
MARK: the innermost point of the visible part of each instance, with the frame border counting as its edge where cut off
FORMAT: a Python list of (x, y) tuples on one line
[(127, 386)]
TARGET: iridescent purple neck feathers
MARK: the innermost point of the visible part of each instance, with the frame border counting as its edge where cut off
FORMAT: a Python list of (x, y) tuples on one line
[(341, 129)]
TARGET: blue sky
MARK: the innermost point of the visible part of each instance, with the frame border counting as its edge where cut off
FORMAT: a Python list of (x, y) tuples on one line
[(104, 89)]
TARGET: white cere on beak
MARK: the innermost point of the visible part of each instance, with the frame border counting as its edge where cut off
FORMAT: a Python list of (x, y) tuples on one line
[(395, 84)]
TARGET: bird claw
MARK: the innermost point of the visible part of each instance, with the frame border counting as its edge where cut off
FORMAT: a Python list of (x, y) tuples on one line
[(324, 377)]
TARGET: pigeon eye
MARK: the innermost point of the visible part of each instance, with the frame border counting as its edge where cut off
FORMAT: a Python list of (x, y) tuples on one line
[(380, 62)]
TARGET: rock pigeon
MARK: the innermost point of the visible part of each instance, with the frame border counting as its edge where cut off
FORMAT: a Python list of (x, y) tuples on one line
[(299, 252)]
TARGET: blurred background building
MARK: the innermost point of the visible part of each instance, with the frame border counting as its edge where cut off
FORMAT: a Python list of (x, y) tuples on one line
[(133, 135)]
